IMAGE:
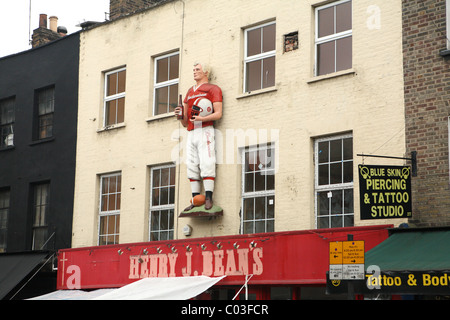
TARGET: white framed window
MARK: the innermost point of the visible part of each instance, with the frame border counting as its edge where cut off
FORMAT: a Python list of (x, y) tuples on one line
[(259, 56), (333, 37), (162, 203), (334, 182), (165, 84), (109, 211), (258, 189), (114, 97)]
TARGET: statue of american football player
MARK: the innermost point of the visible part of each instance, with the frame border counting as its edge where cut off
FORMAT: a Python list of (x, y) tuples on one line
[(202, 106)]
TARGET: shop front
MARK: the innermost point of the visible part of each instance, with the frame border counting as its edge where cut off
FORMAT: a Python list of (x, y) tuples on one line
[(413, 263), (279, 265)]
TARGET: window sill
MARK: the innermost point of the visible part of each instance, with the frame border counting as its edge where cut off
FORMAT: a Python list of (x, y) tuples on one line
[(160, 116), (8, 148), (42, 141), (332, 75), (256, 92), (112, 127)]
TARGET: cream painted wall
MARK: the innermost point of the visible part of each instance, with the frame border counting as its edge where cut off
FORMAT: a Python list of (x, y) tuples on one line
[(366, 101)]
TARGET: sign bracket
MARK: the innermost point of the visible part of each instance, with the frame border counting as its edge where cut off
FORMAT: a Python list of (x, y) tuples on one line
[(413, 160)]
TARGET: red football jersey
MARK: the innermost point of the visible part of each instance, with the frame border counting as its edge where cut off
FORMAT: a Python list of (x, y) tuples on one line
[(206, 90)]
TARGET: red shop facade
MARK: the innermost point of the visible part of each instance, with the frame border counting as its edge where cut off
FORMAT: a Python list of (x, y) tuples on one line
[(279, 265)]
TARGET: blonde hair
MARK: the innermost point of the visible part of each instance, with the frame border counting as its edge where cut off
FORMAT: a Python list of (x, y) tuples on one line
[(205, 67)]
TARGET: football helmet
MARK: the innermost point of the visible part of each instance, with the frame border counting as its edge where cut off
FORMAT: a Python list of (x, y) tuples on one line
[(201, 107)]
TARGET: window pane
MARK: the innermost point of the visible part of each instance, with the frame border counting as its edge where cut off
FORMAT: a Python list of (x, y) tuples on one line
[(249, 183), (269, 38), (325, 56), (164, 177), (120, 110), (155, 197), (270, 180), (248, 227), (269, 72), (249, 209), (336, 173), (323, 204), (254, 42), (260, 208), (344, 53), (336, 202), (336, 222), (173, 97), (162, 66), (260, 226), (251, 161), (111, 202), (323, 222), (162, 96), (121, 81), (335, 150), (155, 220), (39, 238), (111, 109), (326, 22), (348, 148), (172, 175), (323, 151), (171, 195), (348, 201), (164, 220), (164, 196), (119, 183), (174, 66), (156, 177), (270, 226), (260, 181), (111, 84), (270, 207), (348, 221), (343, 17), (323, 174), (348, 171), (253, 75)]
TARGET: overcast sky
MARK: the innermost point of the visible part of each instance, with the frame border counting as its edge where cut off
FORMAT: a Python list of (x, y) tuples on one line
[(15, 19)]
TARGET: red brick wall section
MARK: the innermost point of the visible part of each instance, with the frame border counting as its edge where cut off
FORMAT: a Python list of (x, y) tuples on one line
[(427, 108)]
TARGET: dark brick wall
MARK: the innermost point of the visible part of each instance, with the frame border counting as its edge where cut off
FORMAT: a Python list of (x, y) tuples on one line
[(118, 8), (42, 36), (427, 108)]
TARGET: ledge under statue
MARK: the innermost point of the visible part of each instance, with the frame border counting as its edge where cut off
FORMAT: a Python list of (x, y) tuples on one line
[(202, 106)]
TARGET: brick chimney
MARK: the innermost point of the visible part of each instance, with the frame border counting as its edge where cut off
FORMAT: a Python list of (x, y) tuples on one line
[(119, 8), (42, 35)]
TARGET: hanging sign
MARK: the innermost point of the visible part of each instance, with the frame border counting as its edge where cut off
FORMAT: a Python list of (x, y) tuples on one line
[(385, 192)]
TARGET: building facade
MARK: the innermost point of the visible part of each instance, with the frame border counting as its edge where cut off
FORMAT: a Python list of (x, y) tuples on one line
[(287, 153), (427, 86), (38, 124), (38, 141)]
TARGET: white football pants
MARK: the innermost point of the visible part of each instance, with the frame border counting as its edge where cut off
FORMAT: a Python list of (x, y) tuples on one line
[(201, 158)]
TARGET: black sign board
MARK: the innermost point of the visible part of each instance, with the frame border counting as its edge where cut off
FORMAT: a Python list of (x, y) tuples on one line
[(385, 192), (399, 282)]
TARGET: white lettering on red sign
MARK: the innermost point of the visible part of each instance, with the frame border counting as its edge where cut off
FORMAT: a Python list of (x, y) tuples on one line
[(214, 263)]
